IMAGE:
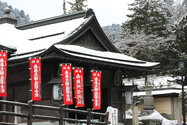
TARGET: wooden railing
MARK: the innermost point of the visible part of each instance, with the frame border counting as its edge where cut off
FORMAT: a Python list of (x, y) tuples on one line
[(30, 116)]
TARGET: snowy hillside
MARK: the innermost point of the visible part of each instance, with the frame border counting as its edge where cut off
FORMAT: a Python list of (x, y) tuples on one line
[(15, 13), (112, 31)]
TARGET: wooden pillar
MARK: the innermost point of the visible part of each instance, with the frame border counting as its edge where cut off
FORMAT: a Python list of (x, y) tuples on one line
[(1, 109), (29, 121), (4, 108), (89, 116), (106, 119), (61, 114)]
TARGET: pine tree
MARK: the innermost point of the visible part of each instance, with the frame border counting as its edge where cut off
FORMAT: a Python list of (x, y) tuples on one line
[(148, 32), (77, 6), (149, 16), (177, 10), (178, 47)]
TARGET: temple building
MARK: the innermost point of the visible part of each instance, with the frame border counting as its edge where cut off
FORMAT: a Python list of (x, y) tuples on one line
[(75, 38)]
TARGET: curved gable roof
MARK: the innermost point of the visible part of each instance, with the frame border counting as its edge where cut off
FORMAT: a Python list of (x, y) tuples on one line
[(72, 53), (51, 37), (67, 28), (93, 25)]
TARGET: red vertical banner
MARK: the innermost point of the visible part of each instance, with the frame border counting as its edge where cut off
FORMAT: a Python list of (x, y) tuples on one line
[(36, 85), (3, 74), (67, 84), (79, 86), (96, 86)]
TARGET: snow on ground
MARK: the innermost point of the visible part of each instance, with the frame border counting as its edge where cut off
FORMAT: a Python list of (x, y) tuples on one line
[(161, 85), (154, 115)]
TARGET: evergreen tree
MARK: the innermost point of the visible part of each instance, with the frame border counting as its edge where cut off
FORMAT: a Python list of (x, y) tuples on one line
[(178, 47), (77, 6), (149, 16), (141, 46), (148, 32), (178, 11)]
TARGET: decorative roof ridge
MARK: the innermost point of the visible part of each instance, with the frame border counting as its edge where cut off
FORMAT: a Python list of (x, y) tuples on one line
[(77, 28), (56, 19), (6, 18)]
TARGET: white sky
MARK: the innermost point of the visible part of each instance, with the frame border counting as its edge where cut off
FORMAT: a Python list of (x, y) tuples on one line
[(107, 11)]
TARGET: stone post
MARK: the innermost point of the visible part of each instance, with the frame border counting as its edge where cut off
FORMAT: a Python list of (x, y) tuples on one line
[(179, 113), (149, 105), (135, 115), (148, 99)]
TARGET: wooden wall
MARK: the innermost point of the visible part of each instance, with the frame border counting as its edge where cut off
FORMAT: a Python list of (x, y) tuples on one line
[(167, 106), (88, 40), (176, 103), (163, 105), (19, 80)]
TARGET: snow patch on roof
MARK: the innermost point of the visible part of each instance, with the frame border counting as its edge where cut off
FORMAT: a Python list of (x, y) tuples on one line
[(158, 92), (26, 55), (10, 36), (161, 85), (110, 55), (103, 56), (65, 26), (14, 38), (20, 39)]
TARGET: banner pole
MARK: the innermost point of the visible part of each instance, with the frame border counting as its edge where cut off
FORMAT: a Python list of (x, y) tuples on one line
[(30, 79)]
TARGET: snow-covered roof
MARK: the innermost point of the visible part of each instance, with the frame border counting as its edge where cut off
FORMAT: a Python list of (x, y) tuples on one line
[(39, 38), (158, 82), (66, 27), (109, 55), (103, 56), (162, 85), (159, 92), (82, 52), (19, 39), (10, 36)]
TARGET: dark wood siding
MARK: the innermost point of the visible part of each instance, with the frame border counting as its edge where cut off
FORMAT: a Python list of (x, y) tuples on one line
[(88, 40), (18, 74)]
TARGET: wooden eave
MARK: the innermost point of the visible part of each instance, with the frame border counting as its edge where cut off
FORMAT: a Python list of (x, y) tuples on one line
[(9, 50), (128, 71), (161, 95), (129, 87)]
